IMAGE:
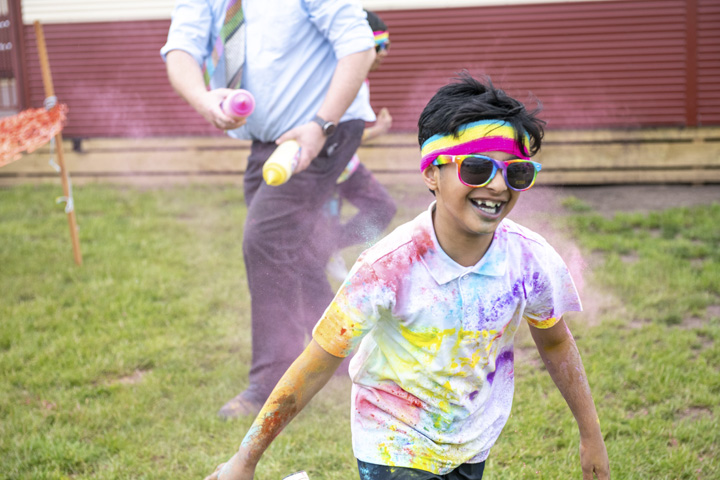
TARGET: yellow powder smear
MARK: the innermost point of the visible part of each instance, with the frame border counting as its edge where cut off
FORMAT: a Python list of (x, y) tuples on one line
[(542, 323), (336, 331), (429, 340)]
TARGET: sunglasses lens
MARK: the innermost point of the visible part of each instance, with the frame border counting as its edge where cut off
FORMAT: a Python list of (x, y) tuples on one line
[(476, 171), (520, 175)]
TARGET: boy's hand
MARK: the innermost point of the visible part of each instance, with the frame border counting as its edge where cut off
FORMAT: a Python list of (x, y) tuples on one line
[(381, 127), (311, 140), (234, 469), (561, 358), (305, 377), (594, 459), (384, 120)]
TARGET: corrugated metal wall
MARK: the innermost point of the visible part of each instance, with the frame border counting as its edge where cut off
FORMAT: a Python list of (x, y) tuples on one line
[(113, 80), (592, 64), (708, 59), (598, 64)]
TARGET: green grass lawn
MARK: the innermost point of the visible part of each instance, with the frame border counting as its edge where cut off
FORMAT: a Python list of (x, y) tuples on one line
[(116, 369)]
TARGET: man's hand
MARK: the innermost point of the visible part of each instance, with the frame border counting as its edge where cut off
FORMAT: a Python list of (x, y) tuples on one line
[(208, 105), (234, 469), (311, 140), (594, 459), (186, 77), (350, 72)]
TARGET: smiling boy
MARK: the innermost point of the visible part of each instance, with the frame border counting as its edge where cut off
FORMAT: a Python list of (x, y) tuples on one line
[(433, 309)]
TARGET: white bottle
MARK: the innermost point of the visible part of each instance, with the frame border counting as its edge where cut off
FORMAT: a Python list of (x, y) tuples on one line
[(302, 475)]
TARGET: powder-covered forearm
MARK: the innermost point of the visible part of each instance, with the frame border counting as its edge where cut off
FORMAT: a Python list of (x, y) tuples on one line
[(305, 377), (561, 357)]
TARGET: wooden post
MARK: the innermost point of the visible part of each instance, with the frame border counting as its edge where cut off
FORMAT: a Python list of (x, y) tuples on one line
[(50, 92)]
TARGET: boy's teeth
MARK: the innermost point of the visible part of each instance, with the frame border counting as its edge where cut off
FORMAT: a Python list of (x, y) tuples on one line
[(487, 205)]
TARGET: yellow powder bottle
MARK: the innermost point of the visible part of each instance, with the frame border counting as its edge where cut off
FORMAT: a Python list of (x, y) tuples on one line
[(280, 166)]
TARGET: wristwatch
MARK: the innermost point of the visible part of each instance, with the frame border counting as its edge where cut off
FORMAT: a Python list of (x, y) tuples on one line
[(327, 127)]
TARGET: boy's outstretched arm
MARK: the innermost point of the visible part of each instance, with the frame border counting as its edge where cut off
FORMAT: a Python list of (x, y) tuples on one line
[(381, 127), (561, 357), (305, 377)]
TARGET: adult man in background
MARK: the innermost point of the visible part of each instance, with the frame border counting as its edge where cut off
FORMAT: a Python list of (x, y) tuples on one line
[(305, 62)]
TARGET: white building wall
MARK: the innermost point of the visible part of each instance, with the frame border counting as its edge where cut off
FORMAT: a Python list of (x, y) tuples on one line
[(75, 11)]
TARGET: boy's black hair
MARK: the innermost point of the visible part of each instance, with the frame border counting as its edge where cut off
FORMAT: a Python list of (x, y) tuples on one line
[(469, 100), (376, 24)]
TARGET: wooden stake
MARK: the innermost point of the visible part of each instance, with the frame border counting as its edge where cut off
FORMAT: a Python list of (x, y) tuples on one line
[(50, 92)]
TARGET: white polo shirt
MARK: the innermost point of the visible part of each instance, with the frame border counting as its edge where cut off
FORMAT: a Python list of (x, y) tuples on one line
[(433, 376)]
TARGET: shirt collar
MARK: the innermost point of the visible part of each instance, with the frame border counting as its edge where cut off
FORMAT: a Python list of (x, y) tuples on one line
[(443, 268)]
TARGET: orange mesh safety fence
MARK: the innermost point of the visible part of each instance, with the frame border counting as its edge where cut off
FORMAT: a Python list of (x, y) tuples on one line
[(29, 130)]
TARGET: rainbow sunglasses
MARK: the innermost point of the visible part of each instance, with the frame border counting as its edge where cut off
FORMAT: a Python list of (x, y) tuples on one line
[(478, 170)]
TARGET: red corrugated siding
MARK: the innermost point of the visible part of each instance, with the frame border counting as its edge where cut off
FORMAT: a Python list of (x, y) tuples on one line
[(592, 64), (113, 80), (708, 62)]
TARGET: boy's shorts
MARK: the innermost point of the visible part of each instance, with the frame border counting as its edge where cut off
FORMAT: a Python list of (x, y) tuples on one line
[(466, 471)]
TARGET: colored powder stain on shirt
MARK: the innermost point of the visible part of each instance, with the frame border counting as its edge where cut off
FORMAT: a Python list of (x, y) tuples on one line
[(423, 242), (429, 339), (480, 344), (408, 398), (363, 277), (384, 450), (505, 357), (503, 306), (441, 421), (389, 402), (393, 268), (472, 340), (434, 367), (344, 333)]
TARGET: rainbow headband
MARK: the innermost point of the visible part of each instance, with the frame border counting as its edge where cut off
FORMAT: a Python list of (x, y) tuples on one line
[(381, 37), (475, 137)]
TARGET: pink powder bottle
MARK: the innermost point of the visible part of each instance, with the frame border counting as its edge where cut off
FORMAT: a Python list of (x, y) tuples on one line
[(240, 103)]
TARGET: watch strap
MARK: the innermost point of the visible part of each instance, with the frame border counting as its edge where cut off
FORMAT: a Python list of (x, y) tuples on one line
[(326, 126)]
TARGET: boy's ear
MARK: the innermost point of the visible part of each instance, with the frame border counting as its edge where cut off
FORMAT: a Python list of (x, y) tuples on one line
[(430, 177)]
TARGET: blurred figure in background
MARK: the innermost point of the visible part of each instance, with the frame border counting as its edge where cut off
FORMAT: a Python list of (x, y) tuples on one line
[(357, 184)]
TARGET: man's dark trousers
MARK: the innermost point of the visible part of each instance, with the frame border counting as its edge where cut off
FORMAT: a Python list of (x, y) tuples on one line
[(289, 289)]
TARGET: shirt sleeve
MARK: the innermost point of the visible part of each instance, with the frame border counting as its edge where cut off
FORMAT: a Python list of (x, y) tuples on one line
[(343, 23), (190, 30), (550, 291), (353, 312)]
